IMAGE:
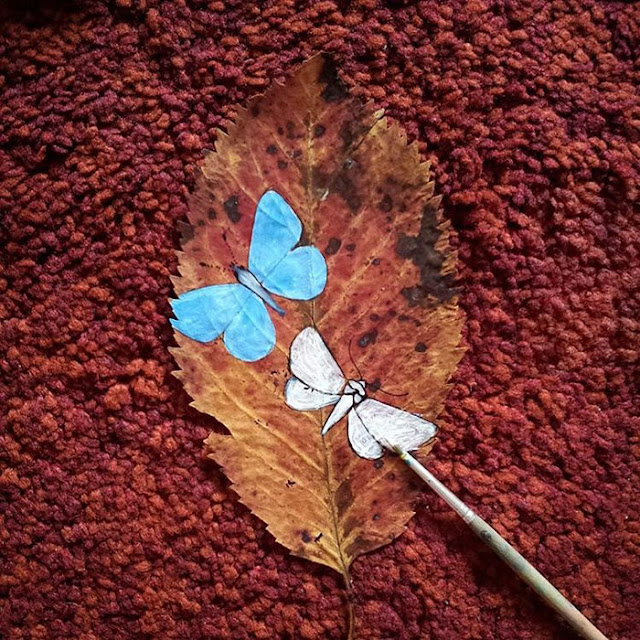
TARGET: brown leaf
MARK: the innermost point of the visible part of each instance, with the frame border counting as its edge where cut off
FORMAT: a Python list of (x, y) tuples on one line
[(366, 201)]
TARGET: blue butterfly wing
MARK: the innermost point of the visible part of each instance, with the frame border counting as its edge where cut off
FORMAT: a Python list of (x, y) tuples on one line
[(276, 230), (251, 335), (203, 314), (300, 275)]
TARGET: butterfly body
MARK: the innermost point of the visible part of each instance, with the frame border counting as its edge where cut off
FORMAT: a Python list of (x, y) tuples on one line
[(248, 280), (373, 426), (276, 266)]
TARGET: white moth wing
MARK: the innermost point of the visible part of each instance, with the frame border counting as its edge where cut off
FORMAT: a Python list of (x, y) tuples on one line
[(392, 427), (301, 397), (360, 439), (312, 363)]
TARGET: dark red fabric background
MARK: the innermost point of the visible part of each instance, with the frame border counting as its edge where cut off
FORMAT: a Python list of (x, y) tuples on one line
[(112, 522)]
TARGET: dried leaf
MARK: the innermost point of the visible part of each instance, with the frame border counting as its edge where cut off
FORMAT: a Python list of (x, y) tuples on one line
[(366, 201)]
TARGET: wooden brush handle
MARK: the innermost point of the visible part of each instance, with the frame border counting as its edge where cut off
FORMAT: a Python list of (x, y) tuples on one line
[(506, 552)]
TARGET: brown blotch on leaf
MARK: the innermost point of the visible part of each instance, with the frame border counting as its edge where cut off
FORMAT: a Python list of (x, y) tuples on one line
[(231, 208), (352, 132), (344, 496), (291, 130), (341, 183), (386, 203), (318, 131), (379, 463), (351, 246), (421, 250), (187, 232), (282, 164), (333, 246), (305, 535), (272, 149), (368, 338), (421, 347)]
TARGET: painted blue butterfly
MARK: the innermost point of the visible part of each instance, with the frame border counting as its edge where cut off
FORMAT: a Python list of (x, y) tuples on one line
[(275, 266)]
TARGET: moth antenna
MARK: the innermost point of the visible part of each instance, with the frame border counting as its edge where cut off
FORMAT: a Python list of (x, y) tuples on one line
[(395, 395), (353, 362)]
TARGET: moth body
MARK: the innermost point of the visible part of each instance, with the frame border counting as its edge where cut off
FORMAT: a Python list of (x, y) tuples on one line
[(373, 426)]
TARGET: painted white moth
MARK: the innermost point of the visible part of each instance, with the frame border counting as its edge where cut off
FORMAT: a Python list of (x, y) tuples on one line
[(373, 426)]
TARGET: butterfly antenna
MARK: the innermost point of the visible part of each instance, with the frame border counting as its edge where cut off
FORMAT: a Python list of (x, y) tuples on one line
[(233, 257), (353, 362)]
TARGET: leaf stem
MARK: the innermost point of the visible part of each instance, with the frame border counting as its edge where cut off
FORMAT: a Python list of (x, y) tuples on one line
[(506, 552), (351, 616)]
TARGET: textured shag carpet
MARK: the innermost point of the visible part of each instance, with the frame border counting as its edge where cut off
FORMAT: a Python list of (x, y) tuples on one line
[(112, 523)]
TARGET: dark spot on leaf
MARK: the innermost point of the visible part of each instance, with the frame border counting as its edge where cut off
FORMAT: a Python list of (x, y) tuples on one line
[(379, 463), (374, 317), (317, 538), (255, 112), (375, 385), (305, 535), (280, 130), (211, 213), (413, 295), (485, 535), (344, 497), (282, 164), (368, 338), (231, 209), (352, 132), (290, 483), (403, 318), (186, 232), (406, 246), (333, 246), (350, 247), (354, 548), (296, 153), (290, 130), (343, 185), (392, 476), (376, 516), (375, 261), (386, 203), (421, 347), (421, 250), (272, 149), (335, 90), (318, 131)]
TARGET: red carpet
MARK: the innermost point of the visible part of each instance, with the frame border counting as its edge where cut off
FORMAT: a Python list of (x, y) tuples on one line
[(112, 523)]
